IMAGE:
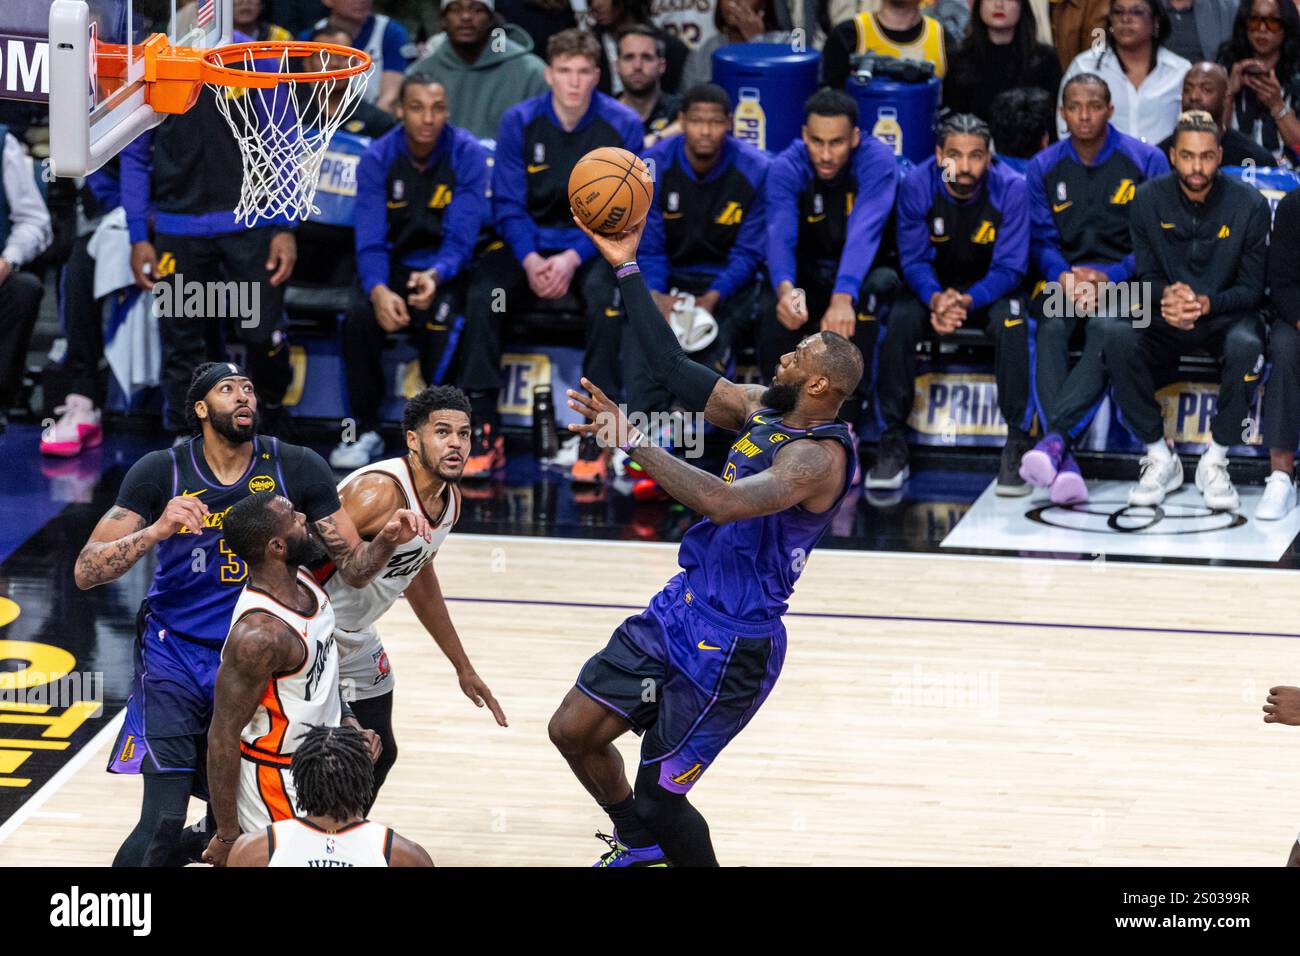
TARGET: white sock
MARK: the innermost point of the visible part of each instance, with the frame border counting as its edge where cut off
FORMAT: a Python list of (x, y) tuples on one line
[(1215, 452), (1159, 450), (1279, 471)]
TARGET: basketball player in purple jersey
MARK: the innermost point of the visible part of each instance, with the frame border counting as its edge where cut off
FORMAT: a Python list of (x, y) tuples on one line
[(692, 669)]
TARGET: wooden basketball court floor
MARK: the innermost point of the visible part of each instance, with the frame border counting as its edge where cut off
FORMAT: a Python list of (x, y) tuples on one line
[(934, 709)]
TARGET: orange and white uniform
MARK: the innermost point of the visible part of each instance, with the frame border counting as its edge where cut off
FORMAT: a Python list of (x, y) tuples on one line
[(363, 664), (290, 702), (299, 842)]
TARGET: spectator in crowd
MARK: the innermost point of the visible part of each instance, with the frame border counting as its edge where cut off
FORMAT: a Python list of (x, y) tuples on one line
[(737, 21), (1144, 77), (192, 194), (953, 15), (484, 69), (420, 18), (963, 241), (1199, 27), (1206, 276), (540, 19), (1205, 87), (1021, 120), (546, 253), (609, 19), (897, 29), (829, 198), (377, 34), (296, 16), (78, 425), (421, 200), (705, 233), (1075, 26), (1080, 192), (25, 232), (1281, 411), (326, 253), (1000, 51), (1263, 62), (640, 67), (250, 20), (692, 23)]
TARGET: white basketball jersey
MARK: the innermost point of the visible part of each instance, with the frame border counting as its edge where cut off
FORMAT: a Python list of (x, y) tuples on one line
[(357, 608), (297, 842), (308, 695)]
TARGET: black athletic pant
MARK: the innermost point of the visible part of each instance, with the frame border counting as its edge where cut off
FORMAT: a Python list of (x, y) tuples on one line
[(326, 255), (377, 714), (1067, 397), (500, 286), (1281, 411), (433, 331), (1142, 360), (20, 305), (1005, 324), (818, 283), (83, 323), (189, 341), (733, 314)]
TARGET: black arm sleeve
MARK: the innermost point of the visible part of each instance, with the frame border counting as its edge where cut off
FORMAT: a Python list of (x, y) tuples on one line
[(1283, 267), (671, 367), (311, 482), (147, 487)]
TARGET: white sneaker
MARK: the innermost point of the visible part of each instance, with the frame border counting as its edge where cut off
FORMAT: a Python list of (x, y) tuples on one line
[(567, 453), (359, 453), (1159, 476), (1215, 484), (1279, 497), (78, 428)]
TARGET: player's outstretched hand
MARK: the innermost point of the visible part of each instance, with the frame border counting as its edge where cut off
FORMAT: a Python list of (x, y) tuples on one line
[(1283, 706), (404, 525), (605, 420), (473, 687), (181, 512), (618, 248)]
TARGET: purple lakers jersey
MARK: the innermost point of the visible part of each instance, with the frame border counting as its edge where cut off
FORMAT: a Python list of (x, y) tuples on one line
[(747, 569)]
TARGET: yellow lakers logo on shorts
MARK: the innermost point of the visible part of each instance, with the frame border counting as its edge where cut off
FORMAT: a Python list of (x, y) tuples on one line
[(261, 483), (689, 776), (128, 749)]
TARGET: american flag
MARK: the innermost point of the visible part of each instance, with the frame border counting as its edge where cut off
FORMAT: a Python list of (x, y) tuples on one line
[(207, 12)]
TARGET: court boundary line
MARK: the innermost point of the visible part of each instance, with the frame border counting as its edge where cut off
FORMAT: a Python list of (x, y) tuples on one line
[(907, 619), (1129, 562), (52, 786)]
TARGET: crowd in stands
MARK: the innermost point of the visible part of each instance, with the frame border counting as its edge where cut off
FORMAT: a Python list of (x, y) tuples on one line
[(1078, 149)]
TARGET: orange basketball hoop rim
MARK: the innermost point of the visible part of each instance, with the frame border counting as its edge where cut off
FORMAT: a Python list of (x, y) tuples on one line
[(173, 75)]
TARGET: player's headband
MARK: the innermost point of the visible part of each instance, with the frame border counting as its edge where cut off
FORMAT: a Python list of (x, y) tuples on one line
[(214, 374)]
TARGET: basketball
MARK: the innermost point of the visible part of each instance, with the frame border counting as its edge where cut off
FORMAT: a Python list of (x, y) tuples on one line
[(610, 190)]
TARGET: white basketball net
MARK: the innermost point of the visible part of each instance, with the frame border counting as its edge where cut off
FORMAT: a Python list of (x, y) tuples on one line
[(283, 132)]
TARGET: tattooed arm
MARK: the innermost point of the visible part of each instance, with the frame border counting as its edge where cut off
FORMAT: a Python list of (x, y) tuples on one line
[(808, 473), (359, 561), (122, 538)]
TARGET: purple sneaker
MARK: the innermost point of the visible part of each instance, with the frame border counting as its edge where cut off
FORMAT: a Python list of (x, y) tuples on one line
[(620, 855), (1069, 487), (1041, 463)]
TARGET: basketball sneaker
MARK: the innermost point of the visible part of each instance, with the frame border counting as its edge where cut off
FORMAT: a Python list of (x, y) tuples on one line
[(1278, 499), (1068, 488), (1010, 484), (77, 428), (348, 456), (591, 464), (1215, 484), (487, 453), (1041, 463), (1157, 478), (621, 855), (890, 472)]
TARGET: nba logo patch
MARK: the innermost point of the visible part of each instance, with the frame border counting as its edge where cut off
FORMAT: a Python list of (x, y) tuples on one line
[(674, 202), (539, 153), (1060, 191), (819, 204), (938, 225), (329, 845), (399, 190)]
